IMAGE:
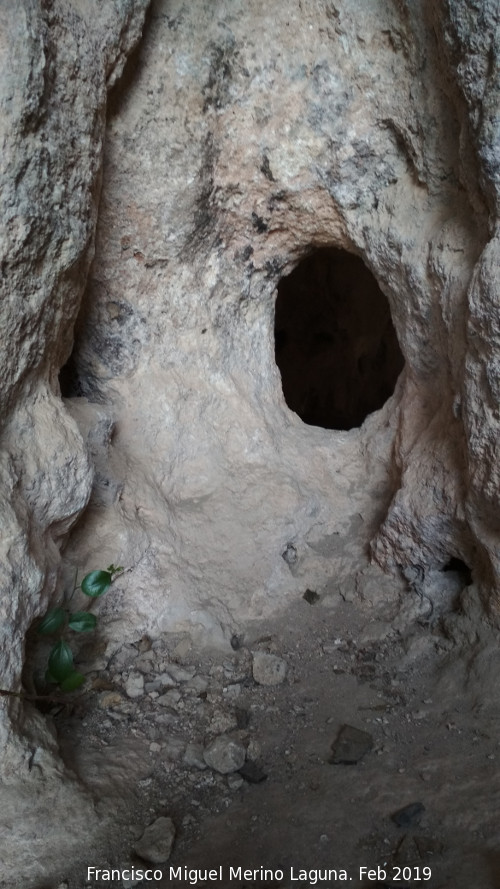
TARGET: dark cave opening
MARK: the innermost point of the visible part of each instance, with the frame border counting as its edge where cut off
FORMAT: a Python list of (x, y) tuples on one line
[(69, 379), (335, 343), (459, 567)]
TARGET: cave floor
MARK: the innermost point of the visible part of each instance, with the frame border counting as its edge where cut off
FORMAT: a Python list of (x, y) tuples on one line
[(432, 713)]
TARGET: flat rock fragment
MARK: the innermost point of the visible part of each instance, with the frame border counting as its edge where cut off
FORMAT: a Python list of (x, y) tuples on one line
[(409, 815), (350, 745), (156, 843)]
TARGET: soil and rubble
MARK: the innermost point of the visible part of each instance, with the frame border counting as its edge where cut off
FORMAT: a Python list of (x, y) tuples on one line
[(248, 772)]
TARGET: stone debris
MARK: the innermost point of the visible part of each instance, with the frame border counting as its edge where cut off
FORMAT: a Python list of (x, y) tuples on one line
[(110, 699), (154, 686), (196, 685), (180, 674), (268, 669), (122, 658), (225, 755), (169, 699), (156, 842), (173, 749), (144, 662), (409, 816), (235, 781), (232, 691), (350, 746), (134, 685), (193, 756)]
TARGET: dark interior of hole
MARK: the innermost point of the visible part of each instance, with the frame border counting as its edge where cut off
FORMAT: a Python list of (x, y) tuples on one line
[(69, 380), (461, 568), (335, 343)]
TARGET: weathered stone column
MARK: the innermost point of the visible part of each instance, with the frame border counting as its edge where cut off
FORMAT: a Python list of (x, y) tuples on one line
[(57, 59)]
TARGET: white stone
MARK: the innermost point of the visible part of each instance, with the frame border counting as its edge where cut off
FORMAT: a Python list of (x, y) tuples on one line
[(268, 669), (134, 686), (225, 755), (179, 673)]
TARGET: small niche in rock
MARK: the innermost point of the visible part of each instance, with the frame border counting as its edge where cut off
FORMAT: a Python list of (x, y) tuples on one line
[(335, 343), (460, 568), (69, 380)]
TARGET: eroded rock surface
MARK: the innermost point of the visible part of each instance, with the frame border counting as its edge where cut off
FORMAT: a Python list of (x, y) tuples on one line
[(248, 137), (243, 137), (57, 62)]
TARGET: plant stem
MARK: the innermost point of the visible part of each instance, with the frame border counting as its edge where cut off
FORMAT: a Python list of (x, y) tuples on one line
[(75, 586)]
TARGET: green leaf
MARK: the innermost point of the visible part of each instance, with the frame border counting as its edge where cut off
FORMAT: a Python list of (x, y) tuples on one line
[(61, 661), (49, 677), (52, 621), (73, 681), (114, 569), (82, 622), (96, 583)]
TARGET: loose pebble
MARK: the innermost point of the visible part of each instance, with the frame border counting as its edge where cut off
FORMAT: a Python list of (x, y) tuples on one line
[(193, 756), (156, 843), (409, 815), (134, 686), (169, 699), (268, 669), (350, 745), (225, 755), (181, 674), (234, 781)]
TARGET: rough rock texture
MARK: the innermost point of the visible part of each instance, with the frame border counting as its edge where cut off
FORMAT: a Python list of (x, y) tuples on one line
[(245, 135), (268, 669), (157, 840), (57, 61), (225, 754)]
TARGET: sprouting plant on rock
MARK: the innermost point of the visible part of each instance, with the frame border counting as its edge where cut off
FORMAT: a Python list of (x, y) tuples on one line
[(59, 620)]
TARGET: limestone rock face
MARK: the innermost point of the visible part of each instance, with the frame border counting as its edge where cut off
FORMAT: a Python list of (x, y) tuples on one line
[(247, 137), (244, 136), (57, 61)]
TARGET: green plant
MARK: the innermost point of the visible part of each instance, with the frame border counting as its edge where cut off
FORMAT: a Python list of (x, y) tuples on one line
[(61, 669)]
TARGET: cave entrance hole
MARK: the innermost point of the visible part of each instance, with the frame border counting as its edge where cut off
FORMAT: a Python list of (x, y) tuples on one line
[(335, 344)]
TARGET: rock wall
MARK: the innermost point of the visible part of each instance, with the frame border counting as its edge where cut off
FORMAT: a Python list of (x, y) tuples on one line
[(242, 136), (246, 138), (57, 61)]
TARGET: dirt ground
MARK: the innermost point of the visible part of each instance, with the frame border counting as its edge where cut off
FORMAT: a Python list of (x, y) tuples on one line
[(415, 668)]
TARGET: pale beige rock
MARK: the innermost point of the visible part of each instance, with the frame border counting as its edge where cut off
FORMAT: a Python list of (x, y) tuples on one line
[(260, 134), (56, 62), (248, 134), (268, 669)]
